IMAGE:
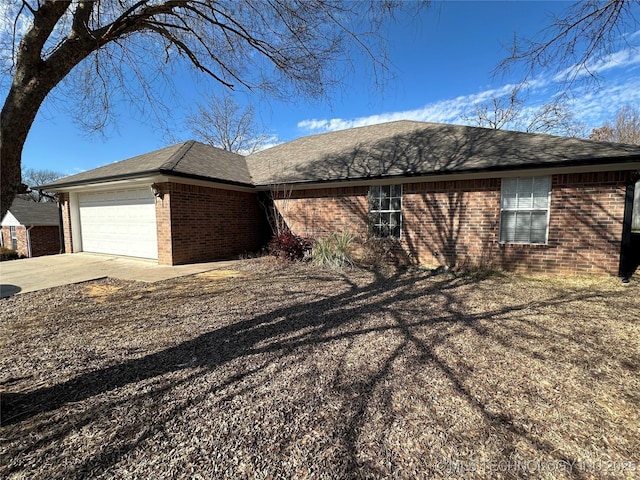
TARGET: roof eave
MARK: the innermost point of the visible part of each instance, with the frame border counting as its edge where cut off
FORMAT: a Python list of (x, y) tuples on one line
[(54, 187), (560, 167)]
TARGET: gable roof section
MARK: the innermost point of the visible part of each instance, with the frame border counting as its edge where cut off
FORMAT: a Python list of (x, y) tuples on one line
[(408, 148), (34, 214), (189, 159), (395, 149)]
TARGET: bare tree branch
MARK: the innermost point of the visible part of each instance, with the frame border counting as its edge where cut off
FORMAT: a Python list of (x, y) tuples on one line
[(223, 123), (573, 44), (510, 113), (277, 45)]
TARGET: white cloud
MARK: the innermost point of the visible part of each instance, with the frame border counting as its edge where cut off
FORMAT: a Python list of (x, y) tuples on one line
[(625, 58), (590, 107), (444, 111)]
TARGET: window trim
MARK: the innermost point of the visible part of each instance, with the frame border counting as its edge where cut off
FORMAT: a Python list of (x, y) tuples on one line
[(373, 227), (13, 237), (532, 209)]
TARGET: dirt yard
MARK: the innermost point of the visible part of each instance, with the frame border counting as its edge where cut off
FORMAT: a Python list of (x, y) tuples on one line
[(276, 371)]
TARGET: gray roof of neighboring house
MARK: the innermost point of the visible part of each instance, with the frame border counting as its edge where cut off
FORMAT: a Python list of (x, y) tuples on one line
[(401, 148), (189, 159), (30, 213)]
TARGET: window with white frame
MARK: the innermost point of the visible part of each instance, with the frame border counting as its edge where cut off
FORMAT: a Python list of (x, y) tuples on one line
[(14, 238), (524, 210), (385, 210)]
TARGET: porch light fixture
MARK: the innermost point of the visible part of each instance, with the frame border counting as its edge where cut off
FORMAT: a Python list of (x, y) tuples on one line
[(157, 191)]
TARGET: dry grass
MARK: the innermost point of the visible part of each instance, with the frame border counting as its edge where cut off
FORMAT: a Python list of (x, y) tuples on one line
[(293, 372)]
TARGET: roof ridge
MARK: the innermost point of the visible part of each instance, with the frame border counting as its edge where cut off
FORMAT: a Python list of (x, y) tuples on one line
[(178, 156)]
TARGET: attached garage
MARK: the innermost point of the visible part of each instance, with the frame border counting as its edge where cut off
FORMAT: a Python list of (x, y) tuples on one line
[(119, 222)]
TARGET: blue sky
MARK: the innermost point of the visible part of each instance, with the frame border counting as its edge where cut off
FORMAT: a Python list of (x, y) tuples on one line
[(442, 63)]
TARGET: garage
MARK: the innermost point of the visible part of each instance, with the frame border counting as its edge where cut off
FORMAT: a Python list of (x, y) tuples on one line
[(119, 222)]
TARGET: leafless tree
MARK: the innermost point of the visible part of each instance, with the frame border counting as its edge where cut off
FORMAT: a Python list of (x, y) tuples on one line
[(99, 47), (625, 128), (223, 123), (509, 112), (35, 177), (498, 113), (574, 43)]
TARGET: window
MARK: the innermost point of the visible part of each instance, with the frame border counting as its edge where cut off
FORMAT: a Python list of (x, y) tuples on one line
[(14, 238), (385, 210), (524, 210)]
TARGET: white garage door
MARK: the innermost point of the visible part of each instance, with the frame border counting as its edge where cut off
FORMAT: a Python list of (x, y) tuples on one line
[(119, 222)]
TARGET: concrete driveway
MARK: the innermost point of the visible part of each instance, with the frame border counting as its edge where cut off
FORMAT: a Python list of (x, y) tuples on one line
[(31, 274)]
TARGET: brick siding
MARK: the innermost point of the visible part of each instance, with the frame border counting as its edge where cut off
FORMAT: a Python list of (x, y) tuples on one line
[(197, 224), (456, 223), (318, 212), (45, 240), (66, 222)]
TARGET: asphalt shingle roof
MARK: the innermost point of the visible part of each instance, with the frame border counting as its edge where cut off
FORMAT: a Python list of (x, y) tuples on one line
[(191, 159), (34, 214), (401, 148), (417, 148)]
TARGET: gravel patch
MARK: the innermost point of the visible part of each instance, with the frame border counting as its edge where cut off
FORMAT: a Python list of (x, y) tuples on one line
[(290, 371)]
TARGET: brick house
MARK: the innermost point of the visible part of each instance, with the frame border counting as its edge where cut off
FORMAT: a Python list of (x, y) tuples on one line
[(32, 229), (446, 194)]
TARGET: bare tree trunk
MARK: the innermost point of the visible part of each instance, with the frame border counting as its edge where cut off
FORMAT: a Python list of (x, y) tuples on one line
[(32, 82), (17, 116)]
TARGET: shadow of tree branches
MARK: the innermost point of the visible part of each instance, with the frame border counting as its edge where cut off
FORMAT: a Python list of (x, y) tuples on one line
[(409, 322)]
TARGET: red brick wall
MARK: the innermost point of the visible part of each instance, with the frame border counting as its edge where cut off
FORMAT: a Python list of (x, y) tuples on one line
[(21, 236), (163, 226), (66, 222), (451, 223), (45, 240), (317, 212), (6, 238), (457, 223), (207, 224)]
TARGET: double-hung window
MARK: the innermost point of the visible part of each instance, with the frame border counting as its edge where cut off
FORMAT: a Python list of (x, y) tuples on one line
[(524, 210), (385, 210), (14, 238)]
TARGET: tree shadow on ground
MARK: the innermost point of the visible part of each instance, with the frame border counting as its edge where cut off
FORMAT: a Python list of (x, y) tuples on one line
[(266, 344)]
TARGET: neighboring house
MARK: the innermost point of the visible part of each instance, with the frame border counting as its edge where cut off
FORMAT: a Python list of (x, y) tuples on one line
[(450, 195), (32, 229)]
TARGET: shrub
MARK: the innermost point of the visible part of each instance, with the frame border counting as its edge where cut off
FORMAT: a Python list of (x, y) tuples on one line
[(8, 254), (334, 251), (383, 251), (289, 246)]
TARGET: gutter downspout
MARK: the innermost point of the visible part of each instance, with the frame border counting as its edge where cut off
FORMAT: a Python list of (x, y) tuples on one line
[(60, 228), (29, 241)]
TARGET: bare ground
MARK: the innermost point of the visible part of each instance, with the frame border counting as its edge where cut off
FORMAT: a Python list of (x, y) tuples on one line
[(278, 371)]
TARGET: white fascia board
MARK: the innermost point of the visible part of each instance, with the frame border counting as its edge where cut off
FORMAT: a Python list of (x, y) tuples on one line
[(147, 181), (112, 184)]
